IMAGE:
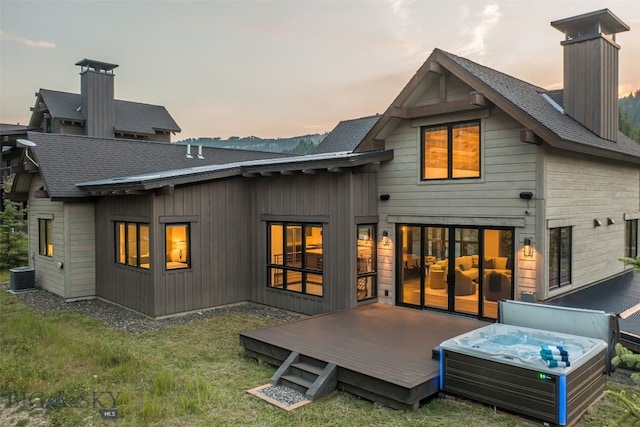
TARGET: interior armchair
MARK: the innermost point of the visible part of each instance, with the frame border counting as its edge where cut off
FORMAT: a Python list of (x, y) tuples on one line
[(497, 286), (464, 284)]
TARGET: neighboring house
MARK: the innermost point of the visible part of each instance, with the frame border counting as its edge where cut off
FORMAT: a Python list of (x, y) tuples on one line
[(9, 155), (472, 186), (95, 112)]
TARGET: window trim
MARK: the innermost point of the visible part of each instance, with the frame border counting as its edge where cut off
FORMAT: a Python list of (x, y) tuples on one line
[(304, 270), (450, 152), (186, 264), (45, 248), (374, 261), (631, 238), (560, 257), (117, 244)]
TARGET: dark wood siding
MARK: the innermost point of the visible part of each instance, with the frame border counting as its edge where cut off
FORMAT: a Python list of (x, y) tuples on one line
[(335, 198), (219, 214), (591, 85), (129, 286)]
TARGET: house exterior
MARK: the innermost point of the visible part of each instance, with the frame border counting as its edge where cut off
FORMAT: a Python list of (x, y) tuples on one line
[(473, 186), (95, 111), (501, 189)]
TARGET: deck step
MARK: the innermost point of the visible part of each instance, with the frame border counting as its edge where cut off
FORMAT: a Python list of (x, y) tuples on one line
[(311, 377), (308, 367)]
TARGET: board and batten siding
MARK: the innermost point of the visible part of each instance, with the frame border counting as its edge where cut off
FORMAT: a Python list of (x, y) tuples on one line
[(335, 200), (80, 253), (219, 214), (579, 189), (508, 167), (129, 286)]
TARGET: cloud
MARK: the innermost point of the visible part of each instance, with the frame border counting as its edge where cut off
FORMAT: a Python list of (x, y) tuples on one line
[(4, 36), (404, 27), (487, 21)]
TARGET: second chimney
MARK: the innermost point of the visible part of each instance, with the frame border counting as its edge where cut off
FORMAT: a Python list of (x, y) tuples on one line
[(97, 92), (591, 70)]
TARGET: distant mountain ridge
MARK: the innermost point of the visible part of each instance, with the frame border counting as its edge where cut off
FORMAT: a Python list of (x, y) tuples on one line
[(303, 144)]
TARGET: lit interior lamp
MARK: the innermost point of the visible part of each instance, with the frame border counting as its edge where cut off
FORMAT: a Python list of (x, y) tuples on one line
[(385, 238), (528, 250), (181, 246)]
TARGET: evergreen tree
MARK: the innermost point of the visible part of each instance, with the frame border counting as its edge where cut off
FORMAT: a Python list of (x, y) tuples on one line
[(14, 243)]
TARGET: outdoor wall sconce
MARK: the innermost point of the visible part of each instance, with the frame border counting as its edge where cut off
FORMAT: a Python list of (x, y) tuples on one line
[(385, 238), (528, 250), (610, 221), (597, 222)]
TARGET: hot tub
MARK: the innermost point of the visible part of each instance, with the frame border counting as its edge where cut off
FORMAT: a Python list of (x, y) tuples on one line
[(500, 365)]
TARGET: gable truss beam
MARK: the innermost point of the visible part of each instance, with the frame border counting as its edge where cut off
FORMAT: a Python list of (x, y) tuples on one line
[(475, 101), (529, 136)]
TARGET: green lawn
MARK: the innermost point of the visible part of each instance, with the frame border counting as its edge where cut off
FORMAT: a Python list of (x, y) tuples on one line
[(191, 375)]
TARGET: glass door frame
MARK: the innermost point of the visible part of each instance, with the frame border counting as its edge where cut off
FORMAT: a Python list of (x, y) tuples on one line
[(450, 271)]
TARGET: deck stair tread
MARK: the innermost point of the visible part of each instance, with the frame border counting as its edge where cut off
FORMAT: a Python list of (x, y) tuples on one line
[(308, 367), (297, 380)]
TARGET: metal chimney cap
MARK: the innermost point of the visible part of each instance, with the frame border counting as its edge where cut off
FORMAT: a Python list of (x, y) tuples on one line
[(601, 21)]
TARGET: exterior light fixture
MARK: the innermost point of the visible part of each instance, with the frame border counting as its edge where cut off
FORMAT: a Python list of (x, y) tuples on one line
[(597, 222), (528, 250), (385, 238), (610, 221)]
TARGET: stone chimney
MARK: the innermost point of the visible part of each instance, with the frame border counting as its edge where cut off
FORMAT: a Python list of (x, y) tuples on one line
[(591, 70), (97, 93)]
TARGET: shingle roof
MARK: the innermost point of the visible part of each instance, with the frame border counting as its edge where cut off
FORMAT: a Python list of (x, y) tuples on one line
[(524, 101), (347, 135), (130, 117), (66, 160), (529, 99)]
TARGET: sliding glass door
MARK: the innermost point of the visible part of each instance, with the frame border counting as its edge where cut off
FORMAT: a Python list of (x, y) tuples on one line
[(458, 269)]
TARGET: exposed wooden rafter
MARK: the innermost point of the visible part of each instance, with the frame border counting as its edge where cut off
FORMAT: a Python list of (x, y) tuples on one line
[(309, 171), (165, 190), (475, 101), (529, 136), (335, 169)]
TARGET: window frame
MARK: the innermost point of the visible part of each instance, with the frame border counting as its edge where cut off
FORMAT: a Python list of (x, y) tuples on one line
[(184, 245), (450, 149), (362, 276), (631, 238), (124, 257), (567, 255), (45, 241), (282, 271)]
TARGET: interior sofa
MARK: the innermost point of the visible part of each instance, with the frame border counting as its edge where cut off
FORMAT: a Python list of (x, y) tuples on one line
[(466, 274)]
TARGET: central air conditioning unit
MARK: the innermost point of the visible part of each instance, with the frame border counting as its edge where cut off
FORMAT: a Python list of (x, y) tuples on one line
[(22, 279)]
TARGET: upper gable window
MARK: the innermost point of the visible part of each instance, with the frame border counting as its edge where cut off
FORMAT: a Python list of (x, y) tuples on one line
[(451, 151)]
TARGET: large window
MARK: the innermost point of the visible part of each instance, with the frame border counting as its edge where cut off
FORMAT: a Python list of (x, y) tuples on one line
[(366, 274), (451, 151), (132, 244), (559, 257), (631, 238), (177, 246), (45, 237), (295, 257)]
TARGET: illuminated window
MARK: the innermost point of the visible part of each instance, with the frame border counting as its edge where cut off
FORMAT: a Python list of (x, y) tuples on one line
[(45, 232), (177, 246), (132, 244), (295, 257), (451, 151), (366, 273)]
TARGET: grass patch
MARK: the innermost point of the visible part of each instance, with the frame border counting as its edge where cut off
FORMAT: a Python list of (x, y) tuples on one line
[(189, 375)]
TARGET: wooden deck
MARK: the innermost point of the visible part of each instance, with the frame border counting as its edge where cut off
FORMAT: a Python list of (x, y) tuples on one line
[(383, 352)]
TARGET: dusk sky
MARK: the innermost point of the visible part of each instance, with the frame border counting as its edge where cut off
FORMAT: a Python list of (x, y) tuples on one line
[(279, 68)]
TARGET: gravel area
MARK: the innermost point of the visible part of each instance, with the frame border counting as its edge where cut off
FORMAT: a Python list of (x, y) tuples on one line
[(285, 395), (135, 323)]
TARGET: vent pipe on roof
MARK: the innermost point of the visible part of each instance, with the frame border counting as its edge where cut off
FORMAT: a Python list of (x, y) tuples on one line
[(200, 156), (189, 156)]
